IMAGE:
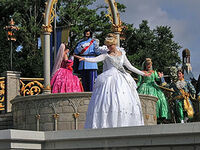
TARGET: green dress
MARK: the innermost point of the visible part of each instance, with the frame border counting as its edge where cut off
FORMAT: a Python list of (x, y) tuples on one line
[(147, 86)]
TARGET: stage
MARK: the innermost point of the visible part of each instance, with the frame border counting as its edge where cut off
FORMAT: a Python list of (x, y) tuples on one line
[(151, 137)]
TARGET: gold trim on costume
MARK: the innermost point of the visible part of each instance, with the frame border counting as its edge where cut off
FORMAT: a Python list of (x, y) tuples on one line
[(187, 105)]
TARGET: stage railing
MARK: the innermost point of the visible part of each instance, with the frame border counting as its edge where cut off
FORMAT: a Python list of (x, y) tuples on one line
[(31, 86), (2, 94)]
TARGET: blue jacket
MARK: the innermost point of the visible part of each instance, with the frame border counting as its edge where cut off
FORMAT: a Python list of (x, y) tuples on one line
[(90, 52)]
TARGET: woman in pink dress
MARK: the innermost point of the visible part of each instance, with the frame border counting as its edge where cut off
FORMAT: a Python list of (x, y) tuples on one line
[(62, 78)]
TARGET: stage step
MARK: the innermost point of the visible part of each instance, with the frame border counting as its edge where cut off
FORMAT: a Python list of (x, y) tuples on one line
[(6, 121)]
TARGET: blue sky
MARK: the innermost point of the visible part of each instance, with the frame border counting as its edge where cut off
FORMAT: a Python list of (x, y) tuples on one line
[(183, 16)]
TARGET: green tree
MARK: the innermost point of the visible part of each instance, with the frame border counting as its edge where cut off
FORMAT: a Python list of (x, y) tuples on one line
[(77, 16), (156, 44), (28, 16)]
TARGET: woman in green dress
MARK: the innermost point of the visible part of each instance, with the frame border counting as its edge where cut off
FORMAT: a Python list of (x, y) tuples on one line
[(147, 86)]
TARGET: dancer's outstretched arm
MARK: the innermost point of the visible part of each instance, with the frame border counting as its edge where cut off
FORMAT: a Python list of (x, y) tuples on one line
[(93, 60), (133, 69)]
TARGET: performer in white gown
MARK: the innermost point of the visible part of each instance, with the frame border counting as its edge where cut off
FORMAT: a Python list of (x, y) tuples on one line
[(115, 101)]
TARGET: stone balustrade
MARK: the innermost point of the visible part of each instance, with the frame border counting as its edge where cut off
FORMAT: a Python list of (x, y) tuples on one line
[(63, 111)]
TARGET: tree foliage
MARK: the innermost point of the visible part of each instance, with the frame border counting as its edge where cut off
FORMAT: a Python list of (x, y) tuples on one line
[(156, 44), (78, 15), (28, 17)]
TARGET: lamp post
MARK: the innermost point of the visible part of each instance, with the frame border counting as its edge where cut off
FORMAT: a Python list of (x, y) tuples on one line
[(11, 29)]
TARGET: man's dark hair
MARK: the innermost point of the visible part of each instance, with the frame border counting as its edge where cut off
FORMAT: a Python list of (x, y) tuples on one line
[(180, 70), (88, 30)]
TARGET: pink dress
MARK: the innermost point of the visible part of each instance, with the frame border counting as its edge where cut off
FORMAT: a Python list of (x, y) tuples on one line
[(64, 81)]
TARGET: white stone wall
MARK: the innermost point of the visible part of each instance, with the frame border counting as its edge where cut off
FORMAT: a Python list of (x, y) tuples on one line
[(155, 137)]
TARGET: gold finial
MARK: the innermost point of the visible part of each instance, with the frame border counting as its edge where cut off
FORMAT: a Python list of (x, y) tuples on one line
[(76, 115)]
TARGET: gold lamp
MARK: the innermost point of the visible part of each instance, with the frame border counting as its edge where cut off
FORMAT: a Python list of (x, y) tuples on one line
[(11, 29)]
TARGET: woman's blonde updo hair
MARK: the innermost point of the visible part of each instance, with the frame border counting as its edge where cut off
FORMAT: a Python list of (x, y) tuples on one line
[(111, 39), (146, 62)]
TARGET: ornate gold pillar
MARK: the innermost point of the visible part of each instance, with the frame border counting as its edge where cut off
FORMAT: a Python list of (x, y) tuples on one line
[(115, 18), (47, 29)]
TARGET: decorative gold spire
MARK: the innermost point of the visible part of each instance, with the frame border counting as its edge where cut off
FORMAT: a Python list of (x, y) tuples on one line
[(116, 25), (51, 14)]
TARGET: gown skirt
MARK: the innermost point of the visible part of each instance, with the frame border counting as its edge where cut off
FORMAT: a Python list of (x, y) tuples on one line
[(65, 82), (114, 102), (149, 87)]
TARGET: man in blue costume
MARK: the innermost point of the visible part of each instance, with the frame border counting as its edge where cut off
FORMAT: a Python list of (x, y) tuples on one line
[(88, 71)]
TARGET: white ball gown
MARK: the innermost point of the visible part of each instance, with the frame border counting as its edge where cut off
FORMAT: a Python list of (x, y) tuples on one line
[(115, 101)]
